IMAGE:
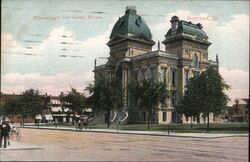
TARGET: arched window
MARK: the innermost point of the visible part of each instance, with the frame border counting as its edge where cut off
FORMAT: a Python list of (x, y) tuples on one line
[(195, 62)]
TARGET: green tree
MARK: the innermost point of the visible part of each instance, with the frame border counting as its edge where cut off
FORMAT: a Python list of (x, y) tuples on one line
[(148, 94), (205, 94), (189, 105), (105, 95), (215, 99), (29, 103), (11, 107), (75, 101), (46, 102)]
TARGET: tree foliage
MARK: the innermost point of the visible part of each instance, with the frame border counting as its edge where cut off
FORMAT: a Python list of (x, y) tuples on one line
[(105, 95), (11, 107), (188, 105), (75, 101), (148, 94), (29, 103), (204, 94)]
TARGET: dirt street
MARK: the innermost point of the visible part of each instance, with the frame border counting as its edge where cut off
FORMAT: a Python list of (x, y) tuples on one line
[(56, 145)]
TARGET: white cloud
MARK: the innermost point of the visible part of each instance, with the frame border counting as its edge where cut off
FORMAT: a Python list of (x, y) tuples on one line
[(238, 81), (160, 29), (227, 40), (10, 45), (67, 73), (17, 83), (230, 39), (61, 41), (89, 48)]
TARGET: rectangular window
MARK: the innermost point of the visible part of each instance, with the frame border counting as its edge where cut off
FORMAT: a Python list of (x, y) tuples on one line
[(136, 116), (164, 116), (198, 119), (174, 117), (164, 75), (144, 74), (144, 116), (154, 116), (174, 99), (133, 116), (153, 73), (186, 75), (174, 75)]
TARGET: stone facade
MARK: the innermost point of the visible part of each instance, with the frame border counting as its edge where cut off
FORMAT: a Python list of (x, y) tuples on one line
[(131, 57)]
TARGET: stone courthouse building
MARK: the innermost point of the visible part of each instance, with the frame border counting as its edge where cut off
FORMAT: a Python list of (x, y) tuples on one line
[(131, 57)]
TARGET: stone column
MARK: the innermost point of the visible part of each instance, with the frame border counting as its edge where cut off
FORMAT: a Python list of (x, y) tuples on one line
[(128, 79), (124, 85), (158, 75)]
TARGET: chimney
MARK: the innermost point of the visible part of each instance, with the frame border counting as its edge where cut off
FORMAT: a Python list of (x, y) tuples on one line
[(217, 59), (130, 9), (159, 46), (174, 23)]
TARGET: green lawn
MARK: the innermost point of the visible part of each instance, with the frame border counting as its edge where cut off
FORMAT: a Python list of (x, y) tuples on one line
[(181, 128), (215, 128)]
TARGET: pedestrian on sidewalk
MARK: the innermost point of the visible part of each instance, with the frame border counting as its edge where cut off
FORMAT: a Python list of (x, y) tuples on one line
[(5, 129), (56, 122), (12, 129), (80, 124)]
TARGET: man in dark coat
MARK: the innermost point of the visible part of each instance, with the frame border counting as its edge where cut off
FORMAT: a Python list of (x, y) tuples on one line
[(5, 129)]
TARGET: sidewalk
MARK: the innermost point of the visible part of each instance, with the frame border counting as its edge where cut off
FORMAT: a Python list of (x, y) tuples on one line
[(151, 133)]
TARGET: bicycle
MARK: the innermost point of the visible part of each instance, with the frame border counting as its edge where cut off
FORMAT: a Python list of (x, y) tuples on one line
[(15, 131)]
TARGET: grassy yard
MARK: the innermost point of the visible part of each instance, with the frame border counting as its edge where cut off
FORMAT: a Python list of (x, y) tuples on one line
[(181, 128), (214, 128)]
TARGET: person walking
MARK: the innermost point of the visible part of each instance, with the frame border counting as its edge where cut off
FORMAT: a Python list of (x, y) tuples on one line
[(5, 129), (12, 128)]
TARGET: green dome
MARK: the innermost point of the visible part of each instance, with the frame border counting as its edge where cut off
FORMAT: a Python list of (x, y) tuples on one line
[(131, 23), (190, 29)]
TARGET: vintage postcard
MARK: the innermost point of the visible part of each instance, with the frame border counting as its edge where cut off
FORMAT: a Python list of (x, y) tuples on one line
[(123, 80)]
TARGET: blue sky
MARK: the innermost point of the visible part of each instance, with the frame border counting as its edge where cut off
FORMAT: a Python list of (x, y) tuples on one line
[(35, 33)]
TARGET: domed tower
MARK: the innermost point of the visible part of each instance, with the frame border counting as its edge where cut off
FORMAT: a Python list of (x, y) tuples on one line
[(187, 40), (190, 44), (130, 36)]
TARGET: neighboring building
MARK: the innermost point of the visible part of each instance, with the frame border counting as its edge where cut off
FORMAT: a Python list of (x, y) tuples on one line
[(54, 109), (131, 57), (239, 111), (59, 111)]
